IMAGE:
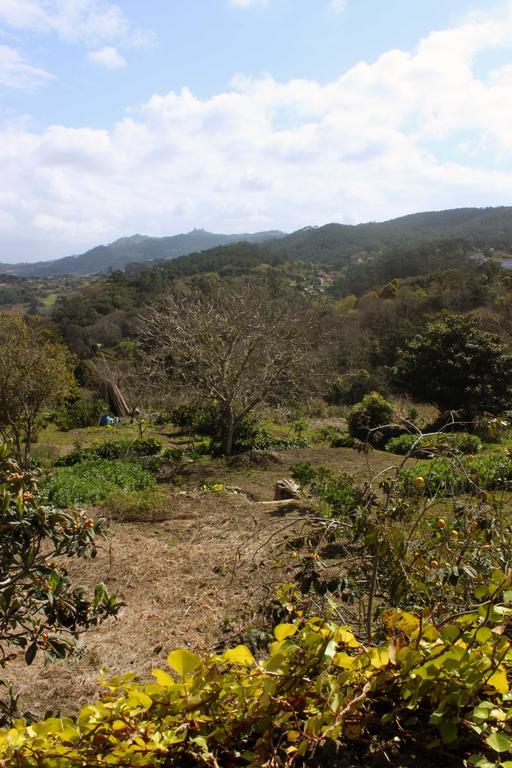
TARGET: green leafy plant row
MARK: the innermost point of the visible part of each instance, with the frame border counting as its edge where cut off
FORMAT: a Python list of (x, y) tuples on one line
[(267, 442), (457, 442), (91, 481), (438, 691), (112, 449)]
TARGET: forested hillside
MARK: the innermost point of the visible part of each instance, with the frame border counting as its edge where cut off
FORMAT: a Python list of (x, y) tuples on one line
[(138, 248), (479, 227)]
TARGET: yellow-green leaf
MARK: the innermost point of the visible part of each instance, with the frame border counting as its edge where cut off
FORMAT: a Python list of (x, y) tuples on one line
[(163, 678), (240, 655), (342, 635), (379, 657), (343, 660), (498, 680), (282, 631), (183, 661), (500, 742)]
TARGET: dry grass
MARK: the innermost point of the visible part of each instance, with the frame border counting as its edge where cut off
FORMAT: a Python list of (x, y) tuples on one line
[(189, 581), (193, 580)]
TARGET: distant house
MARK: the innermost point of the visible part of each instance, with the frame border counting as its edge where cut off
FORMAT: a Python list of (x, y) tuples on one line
[(506, 263)]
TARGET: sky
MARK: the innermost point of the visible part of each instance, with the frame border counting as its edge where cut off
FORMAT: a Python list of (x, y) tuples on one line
[(157, 117)]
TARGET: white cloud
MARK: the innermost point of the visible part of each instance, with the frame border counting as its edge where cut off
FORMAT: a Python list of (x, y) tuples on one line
[(16, 72), (338, 6), (86, 21), (414, 130), (108, 57)]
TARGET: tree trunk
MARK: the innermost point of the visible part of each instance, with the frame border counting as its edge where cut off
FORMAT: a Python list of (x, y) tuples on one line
[(28, 444), (116, 400), (228, 430)]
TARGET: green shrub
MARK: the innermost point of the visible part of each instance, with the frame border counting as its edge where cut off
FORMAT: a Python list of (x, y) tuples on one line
[(450, 477), (85, 411), (341, 495), (136, 506), (454, 442), (112, 449), (303, 474), (364, 419), (91, 481), (197, 419)]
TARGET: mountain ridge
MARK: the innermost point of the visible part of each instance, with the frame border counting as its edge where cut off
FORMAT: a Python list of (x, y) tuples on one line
[(134, 248), (489, 227)]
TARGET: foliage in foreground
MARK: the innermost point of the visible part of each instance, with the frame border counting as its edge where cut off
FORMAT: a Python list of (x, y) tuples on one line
[(39, 607), (427, 690), (91, 481)]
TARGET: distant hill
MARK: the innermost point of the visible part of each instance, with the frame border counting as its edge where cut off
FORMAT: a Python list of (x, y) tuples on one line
[(330, 244), (479, 227), (126, 250)]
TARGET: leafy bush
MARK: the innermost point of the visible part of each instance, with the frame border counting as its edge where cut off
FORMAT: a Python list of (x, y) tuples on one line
[(136, 506), (85, 411), (451, 477), (304, 474), (318, 695), (91, 481), (364, 418), (112, 449), (341, 495), (455, 442), (196, 419)]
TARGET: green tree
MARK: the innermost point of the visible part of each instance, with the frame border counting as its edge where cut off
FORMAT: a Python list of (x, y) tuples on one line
[(457, 365), (35, 372)]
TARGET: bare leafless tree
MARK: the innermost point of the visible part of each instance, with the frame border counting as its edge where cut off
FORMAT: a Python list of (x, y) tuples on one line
[(242, 344)]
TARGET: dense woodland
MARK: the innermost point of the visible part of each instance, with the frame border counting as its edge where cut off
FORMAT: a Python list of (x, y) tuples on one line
[(299, 504)]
